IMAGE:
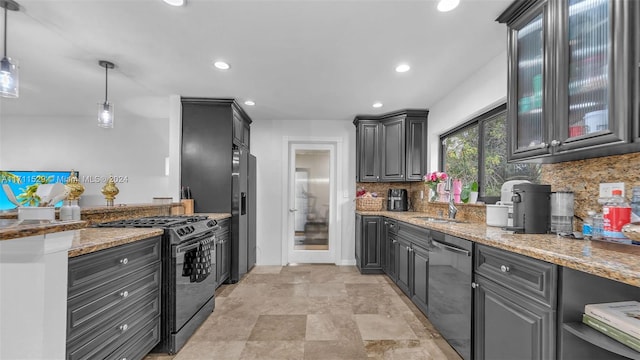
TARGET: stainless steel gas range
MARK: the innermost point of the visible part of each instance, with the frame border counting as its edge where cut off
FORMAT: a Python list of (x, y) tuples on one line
[(188, 274)]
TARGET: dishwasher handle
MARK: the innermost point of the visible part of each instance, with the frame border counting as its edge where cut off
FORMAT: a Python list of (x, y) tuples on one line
[(450, 248)]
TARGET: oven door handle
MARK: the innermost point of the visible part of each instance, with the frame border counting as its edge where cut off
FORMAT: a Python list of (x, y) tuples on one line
[(450, 248), (185, 248)]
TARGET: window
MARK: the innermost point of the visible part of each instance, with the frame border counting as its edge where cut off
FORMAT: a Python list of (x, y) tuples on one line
[(477, 151)]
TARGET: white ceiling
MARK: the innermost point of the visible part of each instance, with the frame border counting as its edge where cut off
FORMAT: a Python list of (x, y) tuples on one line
[(297, 59)]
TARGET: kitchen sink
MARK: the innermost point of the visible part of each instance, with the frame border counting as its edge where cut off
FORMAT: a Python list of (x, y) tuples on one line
[(440, 220)]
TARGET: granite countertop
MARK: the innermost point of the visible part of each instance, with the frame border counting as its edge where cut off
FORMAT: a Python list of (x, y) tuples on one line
[(215, 216), (609, 260), (89, 210), (13, 228), (94, 239)]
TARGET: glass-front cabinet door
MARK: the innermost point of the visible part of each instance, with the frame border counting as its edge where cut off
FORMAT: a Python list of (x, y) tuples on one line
[(587, 61), (528, 39)]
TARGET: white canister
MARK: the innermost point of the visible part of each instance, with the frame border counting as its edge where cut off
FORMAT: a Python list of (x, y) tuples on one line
[(497, 215)]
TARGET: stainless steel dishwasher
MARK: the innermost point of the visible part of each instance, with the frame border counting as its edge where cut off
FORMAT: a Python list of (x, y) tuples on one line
[(450, 292)]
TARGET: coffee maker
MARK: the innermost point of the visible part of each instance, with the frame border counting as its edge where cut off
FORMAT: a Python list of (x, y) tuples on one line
[(531, 209), (397, 200)]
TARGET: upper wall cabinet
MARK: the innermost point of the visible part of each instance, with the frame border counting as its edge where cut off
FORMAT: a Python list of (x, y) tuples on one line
[(391, 147), (573, 78)]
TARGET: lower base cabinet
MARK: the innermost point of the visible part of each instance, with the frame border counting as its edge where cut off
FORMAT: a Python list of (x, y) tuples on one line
[(420, 274), (510, 326), (514, 307), (368, 248), (113, 305), (223, 249)]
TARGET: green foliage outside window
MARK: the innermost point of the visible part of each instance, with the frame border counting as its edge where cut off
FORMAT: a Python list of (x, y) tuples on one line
[(482, 145)]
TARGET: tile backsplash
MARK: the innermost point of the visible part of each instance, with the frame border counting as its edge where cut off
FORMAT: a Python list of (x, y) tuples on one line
[(582, 177)]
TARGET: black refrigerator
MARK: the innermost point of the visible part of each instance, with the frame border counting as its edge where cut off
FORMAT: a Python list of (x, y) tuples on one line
[(243, 213)]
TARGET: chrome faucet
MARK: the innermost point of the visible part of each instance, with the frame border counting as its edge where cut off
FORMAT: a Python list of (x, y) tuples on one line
[(453, 210)]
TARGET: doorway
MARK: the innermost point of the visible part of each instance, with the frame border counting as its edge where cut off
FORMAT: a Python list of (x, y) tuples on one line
[(311, 202)]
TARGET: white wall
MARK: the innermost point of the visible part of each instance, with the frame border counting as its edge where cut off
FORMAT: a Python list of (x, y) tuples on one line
[(486, 89), (135, 148), (266, 144)]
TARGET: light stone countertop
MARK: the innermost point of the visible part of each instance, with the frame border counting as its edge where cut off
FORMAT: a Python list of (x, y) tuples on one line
[(215, 216), (89, 240), (13, 228), (609, 260)]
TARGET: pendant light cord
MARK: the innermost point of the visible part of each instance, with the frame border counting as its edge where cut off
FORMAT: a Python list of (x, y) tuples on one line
[(5, 29), (106, 83)]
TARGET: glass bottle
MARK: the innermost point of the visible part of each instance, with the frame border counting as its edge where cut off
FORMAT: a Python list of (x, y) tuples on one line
[(587, 226), (616, 213), (66, 211)]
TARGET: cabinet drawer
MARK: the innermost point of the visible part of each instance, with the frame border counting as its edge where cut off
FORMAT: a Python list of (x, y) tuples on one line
[(114, 336), (90, 271), (414, 234), (527, 276), (139, 345), (391, 226), (111, 302)]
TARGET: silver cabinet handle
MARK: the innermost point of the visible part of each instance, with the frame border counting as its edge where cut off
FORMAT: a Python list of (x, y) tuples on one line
[(504, 268), (475, 285), (124, 261), (124, 327), (544, 145), (124, 294), (555, 142), (293, 210)]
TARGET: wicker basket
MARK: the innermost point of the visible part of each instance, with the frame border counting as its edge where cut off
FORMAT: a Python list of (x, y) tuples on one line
[(369, 204)]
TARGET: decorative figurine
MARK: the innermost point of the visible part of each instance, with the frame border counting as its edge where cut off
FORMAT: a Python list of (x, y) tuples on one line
[(110, 190)]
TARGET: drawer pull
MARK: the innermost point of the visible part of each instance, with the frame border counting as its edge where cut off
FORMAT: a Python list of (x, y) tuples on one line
[(124, 261), (124, 327), (124, 294), (124, 359), (475, 285), (504, 268)]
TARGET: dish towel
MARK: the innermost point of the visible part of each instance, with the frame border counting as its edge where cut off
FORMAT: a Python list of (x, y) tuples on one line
[(197, 262)]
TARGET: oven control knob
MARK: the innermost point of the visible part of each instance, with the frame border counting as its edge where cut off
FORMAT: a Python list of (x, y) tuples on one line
[(180, 231), (190, 229), (211, 223)]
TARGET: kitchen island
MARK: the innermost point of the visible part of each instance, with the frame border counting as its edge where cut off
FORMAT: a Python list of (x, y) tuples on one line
[(33, 280)]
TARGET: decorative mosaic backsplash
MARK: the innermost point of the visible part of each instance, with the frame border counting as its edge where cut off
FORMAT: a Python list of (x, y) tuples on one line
[(583, 177)]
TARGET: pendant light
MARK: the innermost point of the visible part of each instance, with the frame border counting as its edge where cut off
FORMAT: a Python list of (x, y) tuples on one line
[(8, 68), (105, 109)]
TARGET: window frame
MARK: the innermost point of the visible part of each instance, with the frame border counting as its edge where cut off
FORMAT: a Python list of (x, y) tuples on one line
[(479, 121)]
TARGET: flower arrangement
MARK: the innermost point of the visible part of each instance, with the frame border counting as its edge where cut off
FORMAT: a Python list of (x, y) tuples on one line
[(432, 180)]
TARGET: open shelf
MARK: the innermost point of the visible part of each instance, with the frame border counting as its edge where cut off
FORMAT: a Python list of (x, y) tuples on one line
[(600, 340)]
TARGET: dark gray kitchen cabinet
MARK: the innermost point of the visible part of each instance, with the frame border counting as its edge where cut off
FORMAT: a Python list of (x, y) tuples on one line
[(113, 304), (393, 151), (404, 266), (241, 129), (392, 146), (390, 241), (368, 244), (573, 79), (511, 326), (420, 277), (515, 306), (223, 248), (368, 151), (208, 136)]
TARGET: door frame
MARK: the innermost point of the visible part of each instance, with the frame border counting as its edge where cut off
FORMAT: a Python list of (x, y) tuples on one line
[(335, 229)]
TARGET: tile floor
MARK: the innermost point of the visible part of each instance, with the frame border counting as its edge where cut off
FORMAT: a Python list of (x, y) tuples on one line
[(313, 312)]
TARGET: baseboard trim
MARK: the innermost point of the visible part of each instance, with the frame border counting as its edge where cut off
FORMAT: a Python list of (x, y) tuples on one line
[(346, 262)]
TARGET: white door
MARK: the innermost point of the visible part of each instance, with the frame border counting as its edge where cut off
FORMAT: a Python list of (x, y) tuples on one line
[(311, 203)]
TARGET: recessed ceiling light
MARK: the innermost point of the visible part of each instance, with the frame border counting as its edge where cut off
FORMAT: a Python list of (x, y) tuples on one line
[(402, 68), (447, 5), (175, 2), (221, 65), (249, 103), (377, 105)]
